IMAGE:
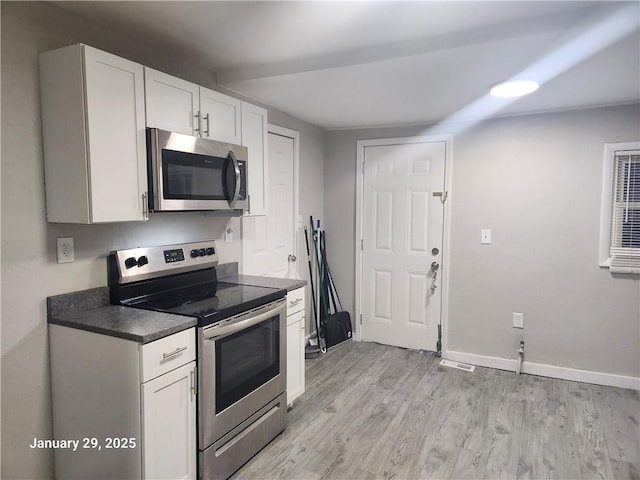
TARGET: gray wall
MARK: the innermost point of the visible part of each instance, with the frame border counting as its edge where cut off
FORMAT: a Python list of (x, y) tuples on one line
[(29, 269), (535, 181)]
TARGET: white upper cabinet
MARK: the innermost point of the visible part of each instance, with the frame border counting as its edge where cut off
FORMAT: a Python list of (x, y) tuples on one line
[(172, 103), (255, 137), (221, 116), (176, 105), (94, 146)]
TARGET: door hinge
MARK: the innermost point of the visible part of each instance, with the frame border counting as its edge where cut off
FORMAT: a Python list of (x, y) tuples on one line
[(361, 244), (360, 319), (363, 167)]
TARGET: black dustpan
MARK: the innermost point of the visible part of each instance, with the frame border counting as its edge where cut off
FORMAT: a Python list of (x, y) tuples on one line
[(337, 328)]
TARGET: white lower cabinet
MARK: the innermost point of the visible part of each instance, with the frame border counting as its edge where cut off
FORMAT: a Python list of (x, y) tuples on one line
[(131, 407), (295, 344), (169, 420)]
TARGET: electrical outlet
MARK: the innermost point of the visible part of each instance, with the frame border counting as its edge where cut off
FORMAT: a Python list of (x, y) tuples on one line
[(518, 320), (65, 250), (485, 237)]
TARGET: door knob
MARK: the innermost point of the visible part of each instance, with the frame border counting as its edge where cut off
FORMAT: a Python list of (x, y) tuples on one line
[(435, 266)]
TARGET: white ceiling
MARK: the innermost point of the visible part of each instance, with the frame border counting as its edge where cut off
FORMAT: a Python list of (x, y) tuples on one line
[(368, 63)]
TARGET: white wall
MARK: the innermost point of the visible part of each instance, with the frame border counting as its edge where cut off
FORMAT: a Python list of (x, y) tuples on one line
[(535, 181), (29, 269)]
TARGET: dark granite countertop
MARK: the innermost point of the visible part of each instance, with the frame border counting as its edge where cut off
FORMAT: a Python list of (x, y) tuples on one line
[(142, 326), (269, 282), (90, 310)]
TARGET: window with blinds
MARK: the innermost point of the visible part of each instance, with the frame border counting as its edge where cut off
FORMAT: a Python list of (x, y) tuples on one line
[(625, 217)]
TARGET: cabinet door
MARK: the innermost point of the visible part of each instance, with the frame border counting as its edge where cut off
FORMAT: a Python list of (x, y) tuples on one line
[(295, 356), (255, 137), (169, 425), (220, 116), (114, 89), (172, 103)]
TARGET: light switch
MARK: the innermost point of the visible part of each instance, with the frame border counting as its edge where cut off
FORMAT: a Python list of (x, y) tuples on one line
[(518, 320), (485, 237)]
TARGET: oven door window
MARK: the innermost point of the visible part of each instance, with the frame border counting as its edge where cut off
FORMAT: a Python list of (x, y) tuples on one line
[(191, 176), (246, 360)]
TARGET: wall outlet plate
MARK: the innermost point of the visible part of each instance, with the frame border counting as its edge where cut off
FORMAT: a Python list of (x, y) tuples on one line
[(485, 237), (65, 250), (518, 320)]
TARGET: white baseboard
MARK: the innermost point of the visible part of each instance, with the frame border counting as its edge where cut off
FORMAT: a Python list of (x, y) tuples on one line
[(564, 373)]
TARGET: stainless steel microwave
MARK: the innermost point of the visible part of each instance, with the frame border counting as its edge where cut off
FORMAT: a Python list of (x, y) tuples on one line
[(190, 173)]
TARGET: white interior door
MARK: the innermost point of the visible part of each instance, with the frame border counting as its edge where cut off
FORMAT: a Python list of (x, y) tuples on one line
[(402, 221), (268, 240)]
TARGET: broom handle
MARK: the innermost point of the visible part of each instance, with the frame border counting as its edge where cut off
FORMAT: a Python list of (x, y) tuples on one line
[(306, 241)]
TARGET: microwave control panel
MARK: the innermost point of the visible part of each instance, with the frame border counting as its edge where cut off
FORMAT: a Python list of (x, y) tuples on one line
[(242, 166)]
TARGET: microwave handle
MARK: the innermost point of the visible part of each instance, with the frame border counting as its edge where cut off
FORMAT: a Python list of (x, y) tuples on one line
[(236, 168)]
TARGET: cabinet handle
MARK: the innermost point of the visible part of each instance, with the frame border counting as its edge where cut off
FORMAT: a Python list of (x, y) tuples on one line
[(194, 382), (145, 207), (295, 302), (199, 126), (175, 352), (206, 119)]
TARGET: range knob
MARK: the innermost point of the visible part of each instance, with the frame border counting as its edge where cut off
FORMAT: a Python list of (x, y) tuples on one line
[(211, 251), (194, 253), (130, 262), (143, 260), (202, 252)]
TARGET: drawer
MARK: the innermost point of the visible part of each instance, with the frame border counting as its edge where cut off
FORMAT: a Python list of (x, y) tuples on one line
[(295, 300), (170, 352)]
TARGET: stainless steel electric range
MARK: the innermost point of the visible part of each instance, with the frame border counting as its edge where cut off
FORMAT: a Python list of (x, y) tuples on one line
[(241, 338)]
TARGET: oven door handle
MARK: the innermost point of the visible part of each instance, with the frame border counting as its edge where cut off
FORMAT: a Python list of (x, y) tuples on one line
[(225, 329)]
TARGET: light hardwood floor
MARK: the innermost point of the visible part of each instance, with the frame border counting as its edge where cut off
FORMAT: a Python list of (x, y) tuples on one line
[(372, 411)]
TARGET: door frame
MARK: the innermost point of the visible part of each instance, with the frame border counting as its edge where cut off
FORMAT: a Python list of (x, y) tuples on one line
[(361, 145), (297, 224)]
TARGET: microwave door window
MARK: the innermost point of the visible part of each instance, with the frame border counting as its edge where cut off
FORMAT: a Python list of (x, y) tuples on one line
[(192, 177), (180, 180)]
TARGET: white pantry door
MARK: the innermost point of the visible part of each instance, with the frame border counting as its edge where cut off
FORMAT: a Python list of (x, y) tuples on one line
[(402, 219), (268, 240)]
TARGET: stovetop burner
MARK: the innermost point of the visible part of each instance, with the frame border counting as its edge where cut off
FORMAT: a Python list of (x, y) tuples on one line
[(176, 280), (207, 304)]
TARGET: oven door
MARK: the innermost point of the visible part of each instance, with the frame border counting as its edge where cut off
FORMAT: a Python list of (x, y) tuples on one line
[(241, 368), (191, 173)]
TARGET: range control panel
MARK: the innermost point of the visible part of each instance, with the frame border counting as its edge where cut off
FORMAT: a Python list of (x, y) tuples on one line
[(174, 255), (151, 262)]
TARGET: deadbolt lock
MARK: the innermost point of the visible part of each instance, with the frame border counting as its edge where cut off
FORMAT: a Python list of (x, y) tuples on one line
[(435, 251)]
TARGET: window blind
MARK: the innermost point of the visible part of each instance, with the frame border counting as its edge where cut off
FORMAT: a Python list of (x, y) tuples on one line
[(625, 224)]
